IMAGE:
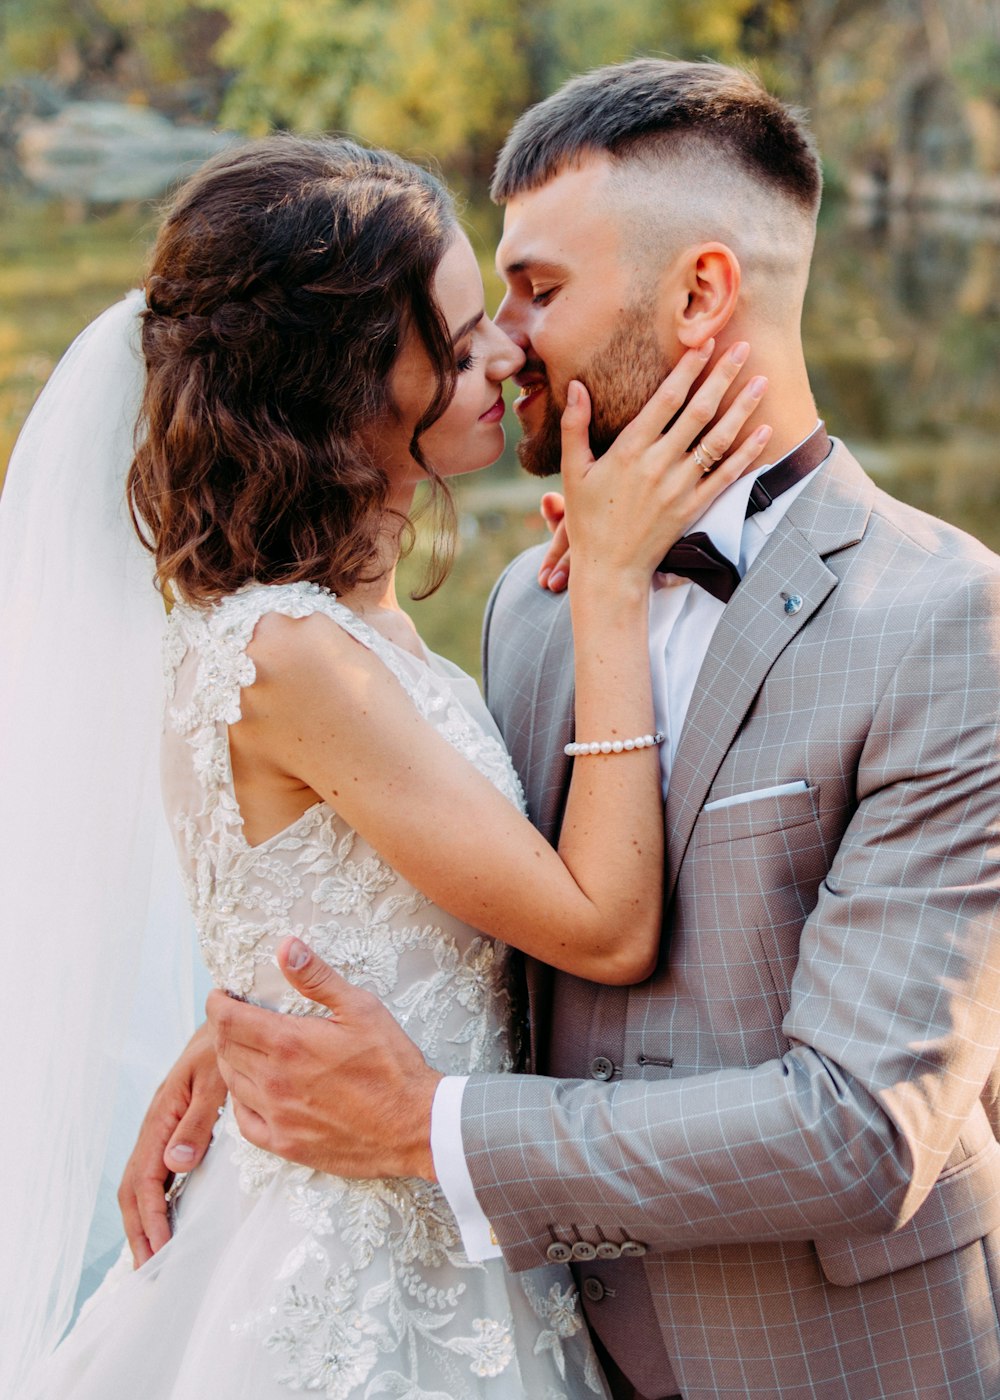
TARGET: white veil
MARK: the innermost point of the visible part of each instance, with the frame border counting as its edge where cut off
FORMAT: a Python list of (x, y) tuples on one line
[(95, 933)]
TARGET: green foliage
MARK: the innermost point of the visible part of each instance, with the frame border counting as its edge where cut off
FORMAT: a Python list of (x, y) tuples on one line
[(417, 75), (55, 276), (445, 79), (977, 68), (32, 32), (296, 63), (80, 39), (449, 78)]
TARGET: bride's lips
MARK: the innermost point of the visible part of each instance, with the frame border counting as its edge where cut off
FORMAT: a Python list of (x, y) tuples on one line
[(494, 414)]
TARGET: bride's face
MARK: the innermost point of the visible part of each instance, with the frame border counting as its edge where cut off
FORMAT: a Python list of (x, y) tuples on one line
[(469, 435)]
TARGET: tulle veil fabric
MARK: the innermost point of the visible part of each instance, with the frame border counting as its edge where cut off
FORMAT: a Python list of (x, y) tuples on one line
[(95, 932)]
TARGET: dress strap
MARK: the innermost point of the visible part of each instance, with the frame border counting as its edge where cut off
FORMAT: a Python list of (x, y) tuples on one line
[(221, 634)]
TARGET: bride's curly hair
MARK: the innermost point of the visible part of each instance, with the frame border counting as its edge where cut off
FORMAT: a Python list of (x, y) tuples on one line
[(285, 278)]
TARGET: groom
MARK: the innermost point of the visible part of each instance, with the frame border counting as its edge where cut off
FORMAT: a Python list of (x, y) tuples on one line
[(774, 1164)]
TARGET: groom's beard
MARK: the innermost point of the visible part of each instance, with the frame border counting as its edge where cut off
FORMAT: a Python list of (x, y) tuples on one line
[(620, 377)]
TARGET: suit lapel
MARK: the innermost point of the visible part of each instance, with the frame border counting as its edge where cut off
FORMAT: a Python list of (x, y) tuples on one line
[(545, 774), (546, 769), (781, 592)]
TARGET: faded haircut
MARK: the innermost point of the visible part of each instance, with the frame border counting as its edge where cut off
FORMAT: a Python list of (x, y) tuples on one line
[(652, 109)]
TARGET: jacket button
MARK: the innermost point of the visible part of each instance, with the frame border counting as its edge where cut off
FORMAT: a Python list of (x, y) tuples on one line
[(583, 1251), (607, 1249), (593, 1290), (632, 1249), (601, 1068), (559, 1253)]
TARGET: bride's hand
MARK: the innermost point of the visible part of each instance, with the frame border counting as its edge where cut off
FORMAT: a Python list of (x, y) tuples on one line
[(626, 508), (174, 1137), (555, 566)]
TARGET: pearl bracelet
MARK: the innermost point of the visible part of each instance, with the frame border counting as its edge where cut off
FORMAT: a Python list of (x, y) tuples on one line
[(644, 741)]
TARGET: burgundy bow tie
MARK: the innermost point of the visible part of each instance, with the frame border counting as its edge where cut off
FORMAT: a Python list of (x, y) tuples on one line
[(694, 556)]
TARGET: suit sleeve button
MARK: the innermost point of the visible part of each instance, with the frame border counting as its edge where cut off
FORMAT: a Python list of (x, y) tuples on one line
[(601, 1067), (632, 1249), (593, 1290), (559, 1253), (607, 1249), (583, 1251)]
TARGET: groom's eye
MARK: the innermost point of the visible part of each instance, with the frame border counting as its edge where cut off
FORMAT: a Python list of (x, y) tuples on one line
[(541, 298)]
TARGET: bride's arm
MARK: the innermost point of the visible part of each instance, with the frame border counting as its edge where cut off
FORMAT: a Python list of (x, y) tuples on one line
[(624, 510), (324, 712)]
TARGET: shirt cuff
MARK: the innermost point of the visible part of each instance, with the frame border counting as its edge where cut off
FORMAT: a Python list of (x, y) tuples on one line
[(452, 1170)]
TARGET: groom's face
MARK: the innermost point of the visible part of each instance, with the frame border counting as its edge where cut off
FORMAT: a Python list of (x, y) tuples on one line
[(580, 306)]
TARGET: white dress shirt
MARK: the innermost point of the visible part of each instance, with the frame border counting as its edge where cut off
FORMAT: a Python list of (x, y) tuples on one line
[(682, 620)]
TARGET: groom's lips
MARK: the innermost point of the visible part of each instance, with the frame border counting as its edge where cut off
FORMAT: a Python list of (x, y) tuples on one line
[(532, 386)]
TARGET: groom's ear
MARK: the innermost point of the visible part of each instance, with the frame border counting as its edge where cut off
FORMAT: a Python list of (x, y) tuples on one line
[(703, 292)]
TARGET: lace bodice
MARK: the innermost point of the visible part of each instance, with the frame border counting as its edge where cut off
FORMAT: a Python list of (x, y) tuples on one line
[(444, 981)]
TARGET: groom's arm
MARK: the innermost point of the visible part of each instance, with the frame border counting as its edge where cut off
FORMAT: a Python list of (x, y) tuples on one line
[(893, 1026)]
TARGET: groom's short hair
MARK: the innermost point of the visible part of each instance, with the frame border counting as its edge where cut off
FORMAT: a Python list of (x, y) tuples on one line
[(652, 108)]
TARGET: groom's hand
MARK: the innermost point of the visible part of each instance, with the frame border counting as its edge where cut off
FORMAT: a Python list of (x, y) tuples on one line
[(174, 1137), (350, 1094)]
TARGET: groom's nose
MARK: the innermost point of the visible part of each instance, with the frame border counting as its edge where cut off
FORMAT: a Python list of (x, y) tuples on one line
[(511, 321)]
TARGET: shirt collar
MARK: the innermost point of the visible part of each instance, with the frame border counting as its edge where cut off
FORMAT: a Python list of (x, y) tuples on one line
[(725, 518)]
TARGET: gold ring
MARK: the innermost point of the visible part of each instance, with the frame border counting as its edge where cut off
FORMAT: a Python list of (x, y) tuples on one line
[(706, 466)]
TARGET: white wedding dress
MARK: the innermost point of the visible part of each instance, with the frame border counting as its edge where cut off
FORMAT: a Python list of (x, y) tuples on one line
[(280, 1280)]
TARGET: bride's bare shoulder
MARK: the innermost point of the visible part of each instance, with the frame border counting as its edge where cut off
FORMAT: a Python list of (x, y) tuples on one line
[(285, 649)]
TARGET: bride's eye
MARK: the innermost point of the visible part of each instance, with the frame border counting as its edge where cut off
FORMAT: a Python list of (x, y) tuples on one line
[(466, 361)]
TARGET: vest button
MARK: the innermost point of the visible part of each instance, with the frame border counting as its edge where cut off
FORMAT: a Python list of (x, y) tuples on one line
[(593, 1290), (583, 1251), (559, 1253), (601, 1067)]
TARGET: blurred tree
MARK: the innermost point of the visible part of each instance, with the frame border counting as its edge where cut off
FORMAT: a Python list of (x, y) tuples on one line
[(908, 94), (83, 42), (295, 64), (446, 78), (965, 39)]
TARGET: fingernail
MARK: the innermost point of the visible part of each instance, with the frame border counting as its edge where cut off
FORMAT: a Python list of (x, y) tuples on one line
[(572, 394), (183, 1150), (543, 575), (739, 352), (762, 434), (298, 955), (757, 386), (706, 350), (557, 581)]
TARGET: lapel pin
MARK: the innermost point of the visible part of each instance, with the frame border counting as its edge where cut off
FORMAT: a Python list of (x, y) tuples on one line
[(793, 603)]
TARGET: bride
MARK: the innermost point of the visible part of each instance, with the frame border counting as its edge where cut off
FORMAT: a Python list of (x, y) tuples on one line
[(315, 346)]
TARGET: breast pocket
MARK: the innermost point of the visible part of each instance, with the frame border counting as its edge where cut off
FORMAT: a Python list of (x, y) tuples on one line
[(754, 870), (757, 816)]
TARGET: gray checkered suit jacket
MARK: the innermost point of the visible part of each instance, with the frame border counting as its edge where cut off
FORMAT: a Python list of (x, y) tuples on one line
[(802, 1119)]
